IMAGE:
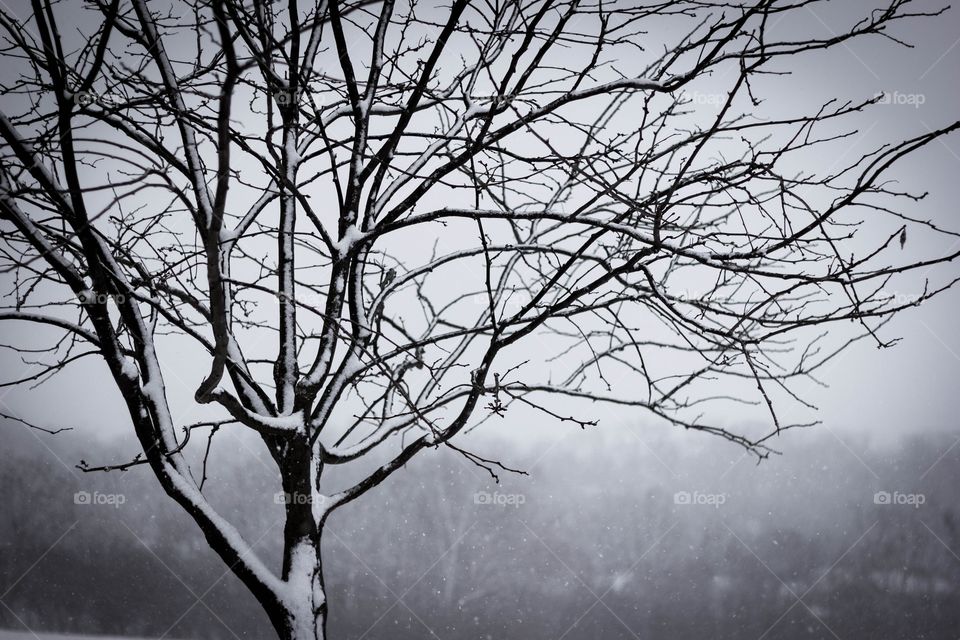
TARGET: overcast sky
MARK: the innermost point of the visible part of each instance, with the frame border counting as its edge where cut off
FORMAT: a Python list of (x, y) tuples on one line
[(912, 387)]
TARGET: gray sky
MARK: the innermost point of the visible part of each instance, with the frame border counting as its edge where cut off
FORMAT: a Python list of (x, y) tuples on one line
[(912, 387)]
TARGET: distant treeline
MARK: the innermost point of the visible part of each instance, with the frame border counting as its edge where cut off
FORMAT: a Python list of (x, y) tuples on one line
[(609, 537)]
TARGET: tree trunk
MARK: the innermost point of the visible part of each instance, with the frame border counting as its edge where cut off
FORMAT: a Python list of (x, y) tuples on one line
[(304, 614), (303, 609)]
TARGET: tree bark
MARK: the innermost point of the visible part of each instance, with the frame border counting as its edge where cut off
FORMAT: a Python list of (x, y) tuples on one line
[(303, 610)]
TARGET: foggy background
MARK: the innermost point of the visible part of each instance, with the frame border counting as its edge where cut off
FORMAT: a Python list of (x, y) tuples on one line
[(614, 535), (625, 530)]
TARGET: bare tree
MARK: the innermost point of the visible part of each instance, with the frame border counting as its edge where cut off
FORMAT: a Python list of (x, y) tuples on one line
[(351, 215)]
